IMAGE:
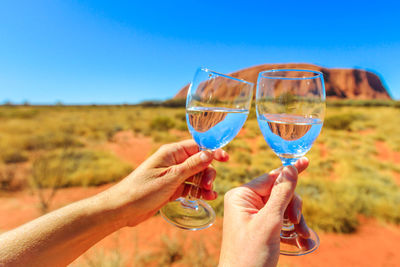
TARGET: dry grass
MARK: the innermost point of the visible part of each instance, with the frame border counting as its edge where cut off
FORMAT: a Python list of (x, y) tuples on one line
[(346, 177)]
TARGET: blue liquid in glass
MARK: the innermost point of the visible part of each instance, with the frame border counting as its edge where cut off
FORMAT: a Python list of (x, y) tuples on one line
[(289, 136), (213, 128)]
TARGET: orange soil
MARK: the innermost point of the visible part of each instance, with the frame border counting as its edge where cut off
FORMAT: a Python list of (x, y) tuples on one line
[(396, 178), (323, 150), (131, 148), (386, 154), (375, 244)]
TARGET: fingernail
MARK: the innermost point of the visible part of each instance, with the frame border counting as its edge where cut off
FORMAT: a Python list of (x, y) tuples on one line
[(279, 179), (273, 172), (224, 154), (205, 156)]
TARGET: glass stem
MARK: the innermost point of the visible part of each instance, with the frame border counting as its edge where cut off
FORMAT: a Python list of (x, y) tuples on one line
[(288, 230), (190, 201)]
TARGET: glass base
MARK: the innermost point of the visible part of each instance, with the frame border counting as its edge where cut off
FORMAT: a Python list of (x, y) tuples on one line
[(188, 214), (294, 245)]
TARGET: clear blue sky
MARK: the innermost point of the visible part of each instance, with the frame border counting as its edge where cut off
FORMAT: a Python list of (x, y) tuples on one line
[(128, 51)]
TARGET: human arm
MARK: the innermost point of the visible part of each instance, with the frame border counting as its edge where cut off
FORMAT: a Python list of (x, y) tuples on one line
[(253, 217), (57, 238)]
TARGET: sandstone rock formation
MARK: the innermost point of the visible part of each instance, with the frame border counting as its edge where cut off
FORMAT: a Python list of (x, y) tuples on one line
[(339, 83)]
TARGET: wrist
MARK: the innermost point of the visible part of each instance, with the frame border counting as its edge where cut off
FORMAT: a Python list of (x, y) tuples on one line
[(107, 211)]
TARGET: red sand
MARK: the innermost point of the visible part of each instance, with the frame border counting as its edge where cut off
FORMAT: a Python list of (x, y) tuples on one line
[(131, 148), (386, 154), (375, 244)]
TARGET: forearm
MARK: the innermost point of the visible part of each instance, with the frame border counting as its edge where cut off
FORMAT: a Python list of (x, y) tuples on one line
[(58, 238)]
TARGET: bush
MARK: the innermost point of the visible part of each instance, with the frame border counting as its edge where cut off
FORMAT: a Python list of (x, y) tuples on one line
[(238, 145), (181, 116), (162, 123), (327, 207), (8, 181), (242, 157), (10, 155), (18, 112), (51, 140), (342, 121), (164, 137), (174, 103), (82, 167), (362, 103)]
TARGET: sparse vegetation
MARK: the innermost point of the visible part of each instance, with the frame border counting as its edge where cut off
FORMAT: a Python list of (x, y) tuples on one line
[(162, 123), (346, 176), (77, 167)]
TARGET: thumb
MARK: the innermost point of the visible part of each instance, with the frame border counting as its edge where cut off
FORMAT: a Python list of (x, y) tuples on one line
[(281, 194), (192, 165)]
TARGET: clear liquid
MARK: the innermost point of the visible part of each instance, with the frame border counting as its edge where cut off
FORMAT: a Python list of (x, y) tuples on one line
[(213, 128), (289, 136)]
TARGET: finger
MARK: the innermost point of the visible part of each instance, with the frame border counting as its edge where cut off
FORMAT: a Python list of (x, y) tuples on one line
[(301, 164), (192, 190), (189, 145), (186, 189), (209, 194), (221, 155), (191, 166), (281, 193), (293, 211), (178, 192), (197, 192), (305, 243), (207, 178), (180, 151), (302, 228), (262, 185)]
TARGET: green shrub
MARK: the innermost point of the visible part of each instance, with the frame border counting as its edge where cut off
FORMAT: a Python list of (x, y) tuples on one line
[(342, 121), (13, 155), (238, 145), (182, 127), (181, 116), (8, 181), (18, 112), (51, 140), (164, 137), (362, 103), (243, 158), (174, 103), (162, 123), (63, 168)]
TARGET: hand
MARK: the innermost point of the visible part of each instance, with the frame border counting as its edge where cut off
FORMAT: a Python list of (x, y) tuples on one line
[(59, 237), (253, 217), (161, 178)]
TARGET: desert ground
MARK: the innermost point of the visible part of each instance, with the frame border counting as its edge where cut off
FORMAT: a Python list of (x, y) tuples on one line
[(365, 235)]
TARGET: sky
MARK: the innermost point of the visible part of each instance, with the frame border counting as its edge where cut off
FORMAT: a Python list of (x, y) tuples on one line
[(114, 52)]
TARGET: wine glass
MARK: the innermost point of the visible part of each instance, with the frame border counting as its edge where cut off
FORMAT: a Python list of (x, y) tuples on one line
[(290, 106), (217, 106)]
